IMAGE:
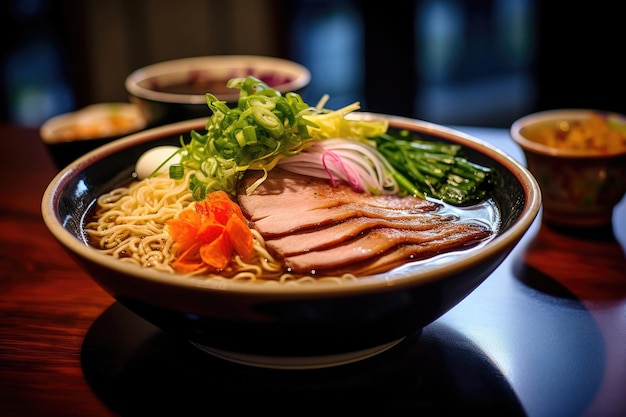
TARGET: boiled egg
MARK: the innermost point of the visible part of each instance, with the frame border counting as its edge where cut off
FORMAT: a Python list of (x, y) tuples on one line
[(152, 159)]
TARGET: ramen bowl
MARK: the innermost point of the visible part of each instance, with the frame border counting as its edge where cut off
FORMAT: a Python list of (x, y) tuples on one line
[(578, 156), (172, 91), (291, 325)]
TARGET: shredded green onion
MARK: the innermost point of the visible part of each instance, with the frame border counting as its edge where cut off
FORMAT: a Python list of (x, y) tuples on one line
[(262, 129), (267, 128)]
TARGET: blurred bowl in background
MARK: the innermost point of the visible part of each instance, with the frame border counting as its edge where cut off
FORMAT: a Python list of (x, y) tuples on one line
[(172, 91), (71, 135), (578, 157)]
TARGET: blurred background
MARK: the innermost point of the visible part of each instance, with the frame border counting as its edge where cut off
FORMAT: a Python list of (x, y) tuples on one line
[(454, 62)]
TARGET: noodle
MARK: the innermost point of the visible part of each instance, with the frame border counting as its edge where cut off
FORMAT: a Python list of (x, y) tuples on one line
[(130, 224), (130, 221)]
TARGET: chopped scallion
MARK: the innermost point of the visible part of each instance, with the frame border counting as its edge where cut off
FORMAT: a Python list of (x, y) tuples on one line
[(177, 171)]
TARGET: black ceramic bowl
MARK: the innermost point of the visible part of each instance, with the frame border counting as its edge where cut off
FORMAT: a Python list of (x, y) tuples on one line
[(172, 91), (289, 326)]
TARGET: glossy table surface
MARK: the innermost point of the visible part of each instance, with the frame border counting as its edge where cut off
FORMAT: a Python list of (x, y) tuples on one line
[(544, 335)]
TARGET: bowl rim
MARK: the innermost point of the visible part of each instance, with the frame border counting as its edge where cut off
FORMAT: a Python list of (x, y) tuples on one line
[(398, 279), (301, 75), (554, 115)]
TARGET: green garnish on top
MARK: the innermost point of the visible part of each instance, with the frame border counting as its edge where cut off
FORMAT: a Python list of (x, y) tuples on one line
[(264, 127), (435, 169), (267, 126)]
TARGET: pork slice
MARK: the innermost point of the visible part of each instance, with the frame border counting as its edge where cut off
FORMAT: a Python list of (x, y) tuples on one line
[(385, 248), (284, 189), (286, 221), (404, 254), (337, 233), (314, 226)]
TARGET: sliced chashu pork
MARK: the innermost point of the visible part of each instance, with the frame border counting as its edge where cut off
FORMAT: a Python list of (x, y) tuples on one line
[(343, 231), (308, 193), (382, 249), (286, 203), (319, 228)]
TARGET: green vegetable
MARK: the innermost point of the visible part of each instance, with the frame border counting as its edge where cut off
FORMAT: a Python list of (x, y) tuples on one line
[(177, 171), (266, 127), (263, 128), (435, 169)]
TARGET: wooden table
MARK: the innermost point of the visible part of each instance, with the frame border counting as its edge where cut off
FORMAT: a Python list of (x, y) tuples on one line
[(544, 335)]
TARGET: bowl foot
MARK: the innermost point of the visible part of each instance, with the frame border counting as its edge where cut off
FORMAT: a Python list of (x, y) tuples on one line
[(297, 362)]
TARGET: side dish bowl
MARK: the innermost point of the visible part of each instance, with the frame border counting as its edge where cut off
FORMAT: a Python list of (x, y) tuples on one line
[(291, 326), (578, 156), (70, 135), (172, 91)]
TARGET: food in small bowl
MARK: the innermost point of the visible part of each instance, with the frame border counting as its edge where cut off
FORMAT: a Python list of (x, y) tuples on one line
[(578, 156), (175, 90), (71, 135), (277, 234)]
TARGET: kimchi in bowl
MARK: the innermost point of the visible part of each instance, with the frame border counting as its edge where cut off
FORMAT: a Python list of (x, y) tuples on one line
[(298, 324)]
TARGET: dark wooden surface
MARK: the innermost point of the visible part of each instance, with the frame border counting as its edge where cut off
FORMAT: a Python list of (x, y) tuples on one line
[(550, 323), (46, 302)]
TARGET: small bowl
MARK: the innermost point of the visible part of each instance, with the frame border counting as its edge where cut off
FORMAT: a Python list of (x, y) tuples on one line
[(71, 135), (172, 91), (578, 156), (286, 325)]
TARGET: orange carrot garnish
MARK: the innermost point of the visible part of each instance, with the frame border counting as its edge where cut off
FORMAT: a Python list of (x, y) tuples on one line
[(208, 235)]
